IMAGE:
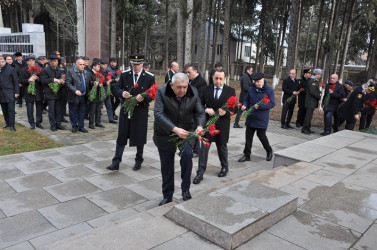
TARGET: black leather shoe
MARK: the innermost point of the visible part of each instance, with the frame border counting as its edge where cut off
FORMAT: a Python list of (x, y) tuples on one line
[(186, 195), (284, 126), (311, 131), (137, 166), (83, 130), (324, 133), (32, 126), (13, 129), (198, 178), (113, 167), (288, 125), (40, 126), (222, 172), (53, 128), (237, 126), (269, 156), (64, 120), (244, 158), (100, 125), (5, 125), (165, 201), (298, 125), (305, 131), (91, 126), (59, 126), (113, 122), (74, 129)]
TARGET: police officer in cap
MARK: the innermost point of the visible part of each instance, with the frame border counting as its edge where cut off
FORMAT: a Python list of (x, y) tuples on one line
[(133, 128)]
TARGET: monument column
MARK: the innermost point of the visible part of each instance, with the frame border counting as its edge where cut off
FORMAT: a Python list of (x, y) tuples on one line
[(97, 29)]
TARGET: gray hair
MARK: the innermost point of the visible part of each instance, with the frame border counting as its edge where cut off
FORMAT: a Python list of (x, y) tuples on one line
[(182, 77)]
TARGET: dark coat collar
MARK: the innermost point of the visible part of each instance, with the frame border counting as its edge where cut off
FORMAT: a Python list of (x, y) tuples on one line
[(169, 91)]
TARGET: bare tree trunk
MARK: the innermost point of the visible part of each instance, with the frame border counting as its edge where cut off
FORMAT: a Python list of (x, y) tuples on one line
[(209, 33), (307, 40), (216, 33), (293, 32), (166, 33), (202, 36), (179, 33), (328, 37), (226, 36), (80, 27), (113, 28), (340, 40), (317, 47), (123, 40), (188, 40), (280, 42)]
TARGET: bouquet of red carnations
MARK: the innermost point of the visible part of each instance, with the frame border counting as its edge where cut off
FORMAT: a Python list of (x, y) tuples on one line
[(250, 110), (292, 97), (54, 86), (33, 71), (327, 98), (230, 103), (93, 92), (130, 103)]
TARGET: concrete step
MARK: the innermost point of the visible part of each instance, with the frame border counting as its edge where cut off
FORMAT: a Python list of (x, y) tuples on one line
[(232, 215)]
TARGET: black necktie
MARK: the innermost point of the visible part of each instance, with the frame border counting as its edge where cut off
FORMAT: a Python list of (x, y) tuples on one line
[(136, 75), (216, 93), (179, 99)]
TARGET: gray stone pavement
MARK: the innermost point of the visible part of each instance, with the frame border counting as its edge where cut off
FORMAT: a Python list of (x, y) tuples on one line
[(52, 195)]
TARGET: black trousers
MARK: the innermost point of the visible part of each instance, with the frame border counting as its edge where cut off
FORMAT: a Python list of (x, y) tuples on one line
[(95, 112), (9, 112), (38, 112), (308, 119), (167, 170), (366, 118), (119, 153), (222, 152), (287, 108), (301, 114), (249, 135), (114, 103), (55, 111), (238, 116)]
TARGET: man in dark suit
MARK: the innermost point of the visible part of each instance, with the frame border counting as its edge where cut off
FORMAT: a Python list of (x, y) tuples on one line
[(52, 74), (213, 98), (303, 84), (19, 64), (133, 128), (197, 81), (290, 87), (9, 91), (174, 68), (177, 105), (77, 82), (25, 78), (245, 82)]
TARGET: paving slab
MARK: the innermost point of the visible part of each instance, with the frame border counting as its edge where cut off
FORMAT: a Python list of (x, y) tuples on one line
[(145, 173), (2, 215), (6, 160), (41, 154), (112, 236), (113, 217), (72, 150), (37, 166), (311, 232), (26, 201), (337, 140), (100, 166), (21, 246), (116, 199), (187, 241), (325, 177), (22, 227), (348, 214), (280, 177), (73, 159), (232, 215), (150, 189), (365, 177), (9, 171), (72, 190), (368, 240), (344, 161), (59, 234), (103, 155), (267, 241), (28, 182), (5, 189), (111, 180), (71, 212), (72, 173)]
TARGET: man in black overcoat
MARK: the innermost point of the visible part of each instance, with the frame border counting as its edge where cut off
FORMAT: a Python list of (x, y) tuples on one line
[(25, 78), (213, 98), (134, 128), (290, 87), (303, 84), (245, 83), (9, 91)]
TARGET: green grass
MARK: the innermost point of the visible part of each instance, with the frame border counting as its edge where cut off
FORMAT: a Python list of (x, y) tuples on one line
[(23, 140)]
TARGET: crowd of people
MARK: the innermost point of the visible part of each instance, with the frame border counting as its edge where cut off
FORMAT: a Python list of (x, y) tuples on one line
[(184, 105), (46, 85)]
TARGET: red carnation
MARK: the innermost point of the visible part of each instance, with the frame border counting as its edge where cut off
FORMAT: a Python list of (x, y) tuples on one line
[(119, 72), (212, 127), (108, 77), (232, 102), (110, 73), (266, 99), (136, 86), (206, 144), (332, 86)]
